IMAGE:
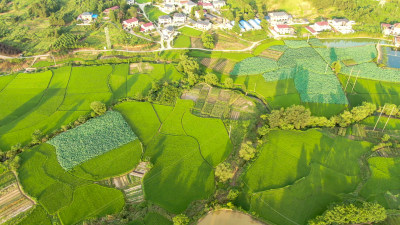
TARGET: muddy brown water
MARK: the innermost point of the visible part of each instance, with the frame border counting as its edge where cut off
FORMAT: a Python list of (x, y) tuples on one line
[(228, 217)]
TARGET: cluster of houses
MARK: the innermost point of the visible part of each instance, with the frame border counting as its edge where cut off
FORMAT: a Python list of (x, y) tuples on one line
[(343, 26), (392, 30)]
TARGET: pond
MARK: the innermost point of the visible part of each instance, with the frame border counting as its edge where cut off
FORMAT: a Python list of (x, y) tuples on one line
[(393, 57), (342, 43), (228, 217)]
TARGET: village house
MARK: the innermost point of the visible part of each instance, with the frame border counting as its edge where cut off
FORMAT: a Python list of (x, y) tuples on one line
[(179, 18), (168, 31), (397, 42), (130, 23), (147, 27), (107, 11), (188, 7), (206, 5), (87, 17), (343, 26), (197, 13), (203, 25), (321, 26), (246, 25), (283, 29), (130, 2), (171, 2), (388, 29), (168, 8), (165, 19), (275, 18), (218, 4), (311, 30)]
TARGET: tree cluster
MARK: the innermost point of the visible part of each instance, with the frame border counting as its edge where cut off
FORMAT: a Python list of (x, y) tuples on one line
[(364, 213), (298, 117), (224, 172), (190, 67), (164, 93), (208, 40), (66, 41)]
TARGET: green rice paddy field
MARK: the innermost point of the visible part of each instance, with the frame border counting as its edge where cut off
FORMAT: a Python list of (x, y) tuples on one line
[(295, 176)]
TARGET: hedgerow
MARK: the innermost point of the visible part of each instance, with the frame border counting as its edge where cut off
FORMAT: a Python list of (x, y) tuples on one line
[(253, 66), (97, 136)]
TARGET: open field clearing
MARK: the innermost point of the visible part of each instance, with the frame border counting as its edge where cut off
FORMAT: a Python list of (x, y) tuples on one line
[(191, 32), (94, 138), (182, 41), (310, 165)]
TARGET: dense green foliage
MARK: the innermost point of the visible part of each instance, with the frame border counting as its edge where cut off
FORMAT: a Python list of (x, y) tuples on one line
[(95, 137), (253, 66)]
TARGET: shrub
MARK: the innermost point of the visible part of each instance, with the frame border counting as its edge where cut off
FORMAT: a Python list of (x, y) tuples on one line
[(98, 107), (224, 172)]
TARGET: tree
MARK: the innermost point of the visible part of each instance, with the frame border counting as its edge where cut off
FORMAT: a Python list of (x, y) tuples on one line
[(181, 219), (211, 79), (14, 163), (98, 107), (208, 40), (361, 112), (228, 82), (36, 136), (293, 117), (247, 151), (224, 172), (337, 67), (345, 119), (232, 195), (188, 65), (364, 213)]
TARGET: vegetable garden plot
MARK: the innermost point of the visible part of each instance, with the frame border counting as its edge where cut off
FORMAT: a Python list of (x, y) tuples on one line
[(253, 66), (319, 88), (190, 32), (182, 41), (372, 71), (94, 138), (359, 54), (305, 57)]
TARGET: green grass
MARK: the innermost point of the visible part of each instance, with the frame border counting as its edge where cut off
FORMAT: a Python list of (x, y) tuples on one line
[(5, 80), (188, 31), (153, 13), (162, 111), (115, 162), (384, 178), (212, 136), (182, 41), (179, 175), (36, 216), (234, 56), (94, 138), (104, 201), (308, 164), (142, 118)]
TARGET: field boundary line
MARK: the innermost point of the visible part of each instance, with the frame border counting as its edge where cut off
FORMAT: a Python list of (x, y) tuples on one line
[(8, 82), (198, 143), (66, 89), (109, 78), (21, 190)]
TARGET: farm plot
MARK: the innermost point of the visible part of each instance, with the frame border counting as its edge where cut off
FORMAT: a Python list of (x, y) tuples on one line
[(271, 54), (179, 176), (383, 185), (182, 41), (253, 66), (296, 44), (309, 86), (94, 138), (377, 92), (392, 124), (5, 80), (118, 80), (265, 45), (220, 65), (188, 31), (12, 201), (117, 161), (196, 42), (90, 79), (142, 118), (372, 71), (310, 165), (153, 12), (359, 54), (72, 198), (307, 58), (36, 216)]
